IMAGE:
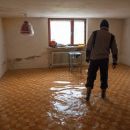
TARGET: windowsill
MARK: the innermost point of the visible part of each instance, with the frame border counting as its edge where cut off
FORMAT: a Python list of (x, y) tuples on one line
[(68, 46)]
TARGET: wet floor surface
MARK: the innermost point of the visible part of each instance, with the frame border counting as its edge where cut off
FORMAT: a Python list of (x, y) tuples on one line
[(38, 99)]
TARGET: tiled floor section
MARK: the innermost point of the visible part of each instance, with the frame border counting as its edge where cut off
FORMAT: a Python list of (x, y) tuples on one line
[(38, 99)]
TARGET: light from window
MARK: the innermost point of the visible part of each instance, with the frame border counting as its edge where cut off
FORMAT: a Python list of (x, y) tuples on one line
[(60, 32), (79, 32)]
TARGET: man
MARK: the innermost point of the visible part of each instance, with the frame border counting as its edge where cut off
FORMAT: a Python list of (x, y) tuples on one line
[(97, 54)]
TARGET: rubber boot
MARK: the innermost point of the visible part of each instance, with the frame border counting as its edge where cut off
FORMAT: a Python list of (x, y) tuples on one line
[(103, 94), (88, 93)]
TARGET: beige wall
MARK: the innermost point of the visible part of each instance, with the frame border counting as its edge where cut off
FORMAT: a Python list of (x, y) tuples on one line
[(26, 51), (116, 27), (125, 46), (3, 60), (31, 52)]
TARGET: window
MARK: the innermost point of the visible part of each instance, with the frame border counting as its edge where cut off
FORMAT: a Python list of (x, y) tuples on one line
[(67, 31)]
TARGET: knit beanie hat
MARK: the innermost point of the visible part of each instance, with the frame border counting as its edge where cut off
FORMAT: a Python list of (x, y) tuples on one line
[(104, 23)]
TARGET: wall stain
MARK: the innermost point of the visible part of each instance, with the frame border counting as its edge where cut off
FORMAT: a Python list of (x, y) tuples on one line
[(31, 57), (4, 62), (18, 59), (27, 58)]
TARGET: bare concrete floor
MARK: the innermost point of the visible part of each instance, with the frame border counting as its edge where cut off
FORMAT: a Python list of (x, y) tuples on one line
[(39, 99)]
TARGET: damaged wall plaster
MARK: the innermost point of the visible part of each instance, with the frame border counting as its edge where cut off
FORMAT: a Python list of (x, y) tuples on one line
[(26, 51), (26, 58)]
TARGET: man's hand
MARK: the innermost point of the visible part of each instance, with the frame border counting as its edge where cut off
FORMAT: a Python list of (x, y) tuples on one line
[(114, 65)]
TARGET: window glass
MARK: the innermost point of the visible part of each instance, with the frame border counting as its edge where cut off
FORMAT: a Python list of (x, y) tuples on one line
[(78, 32), (60, 31)]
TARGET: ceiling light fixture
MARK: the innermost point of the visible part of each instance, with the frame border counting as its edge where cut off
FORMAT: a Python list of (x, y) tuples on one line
[(27, 28)]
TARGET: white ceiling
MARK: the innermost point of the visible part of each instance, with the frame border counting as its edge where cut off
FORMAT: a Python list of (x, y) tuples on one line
[(66, 8)]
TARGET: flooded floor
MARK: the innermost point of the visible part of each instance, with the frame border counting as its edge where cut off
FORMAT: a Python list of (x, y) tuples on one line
[(38, 99)]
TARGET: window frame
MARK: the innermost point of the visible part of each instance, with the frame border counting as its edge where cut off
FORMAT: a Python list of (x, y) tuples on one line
[(71, 27)]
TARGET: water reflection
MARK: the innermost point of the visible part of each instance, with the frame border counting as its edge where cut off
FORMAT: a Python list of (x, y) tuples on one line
[(62, 82), (68, 105), (70, 111)]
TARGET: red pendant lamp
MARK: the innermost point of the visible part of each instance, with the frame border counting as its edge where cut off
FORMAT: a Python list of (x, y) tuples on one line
[(27, 28)]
